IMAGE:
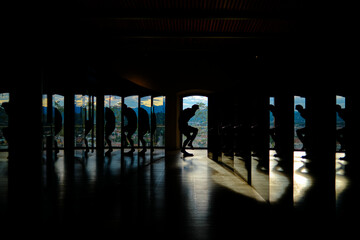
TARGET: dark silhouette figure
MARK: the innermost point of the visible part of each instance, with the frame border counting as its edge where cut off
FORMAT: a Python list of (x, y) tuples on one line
[(341, 133), (301, 133), (189, 131), (273, 131), (89, 123), (109, 127), (153, 126), (5, 130), (131, 126), (144, 127), (58, 127)]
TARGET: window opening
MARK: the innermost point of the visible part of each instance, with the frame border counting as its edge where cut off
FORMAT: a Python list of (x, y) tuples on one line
[(58, 116), (114, 103), (272, 123), (158, 121), (299, 122), (199, 121), (4, 121)]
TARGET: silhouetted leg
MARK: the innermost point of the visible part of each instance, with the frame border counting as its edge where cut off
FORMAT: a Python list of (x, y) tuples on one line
[(340, 138), (86, 144), (5, 131), (6, 134), (194, 132), (56, 147), (123, 136), (272, 135), (143, 143), (301, 135), (86, 141), (186, 142), (131, 142), (108, 141)]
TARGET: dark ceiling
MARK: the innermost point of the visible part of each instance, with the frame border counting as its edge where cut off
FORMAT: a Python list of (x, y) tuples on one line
[(179, 24), (192, 18), (183, 44)]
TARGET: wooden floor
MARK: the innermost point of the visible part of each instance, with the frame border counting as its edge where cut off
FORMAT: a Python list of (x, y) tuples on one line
[(171, 198)]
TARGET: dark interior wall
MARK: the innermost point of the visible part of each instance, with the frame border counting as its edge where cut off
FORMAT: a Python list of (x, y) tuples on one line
[(174, 64), (207, 71), (318, 60), (296, 65), (175, 72)]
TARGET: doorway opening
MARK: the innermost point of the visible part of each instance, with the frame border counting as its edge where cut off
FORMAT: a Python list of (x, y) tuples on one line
[(4, 124), (199, 121)]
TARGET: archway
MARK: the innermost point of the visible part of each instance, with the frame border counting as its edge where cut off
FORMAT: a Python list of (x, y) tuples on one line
[(199, 121)]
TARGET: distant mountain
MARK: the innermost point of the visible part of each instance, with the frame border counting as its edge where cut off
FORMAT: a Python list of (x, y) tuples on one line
[(200, 117)]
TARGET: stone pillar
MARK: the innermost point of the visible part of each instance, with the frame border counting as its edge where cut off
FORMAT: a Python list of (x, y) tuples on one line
[(100, 125), (172, 133), (69, 128), (25, 148), (284, 130), (322, 142)]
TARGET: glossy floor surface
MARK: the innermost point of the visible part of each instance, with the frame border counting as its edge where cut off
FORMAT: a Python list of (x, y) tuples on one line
[(171, 198)]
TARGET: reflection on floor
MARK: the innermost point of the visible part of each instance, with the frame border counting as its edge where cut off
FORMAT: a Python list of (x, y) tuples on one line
[(193, 198), (280, 181), (302, 179), (260, 176), (188, 198)]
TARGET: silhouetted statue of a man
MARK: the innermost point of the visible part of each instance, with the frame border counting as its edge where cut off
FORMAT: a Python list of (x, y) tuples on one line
[(189, 131), (89, 123), (144, 127), (58, 127), (301, 133), (109, 127), (5, 130), (131, 126), (153, 125), (272, 131), (341, 133)]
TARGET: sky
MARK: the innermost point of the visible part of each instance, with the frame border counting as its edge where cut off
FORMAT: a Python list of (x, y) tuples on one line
[(80, 100), (191, 100), (132, 101), (341, 101), (4, 97), (299, 101)]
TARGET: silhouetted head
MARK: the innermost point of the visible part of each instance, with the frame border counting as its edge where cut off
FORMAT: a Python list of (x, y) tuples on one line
[(5, 105), (338, 107), (195, 107), (299, 107), (125, 106)]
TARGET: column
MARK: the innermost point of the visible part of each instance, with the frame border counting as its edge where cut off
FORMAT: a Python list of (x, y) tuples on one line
[(284, 122), (172, 133), (322, 140), (25, 149), (260, 144), (69, 128), (100, 125)]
